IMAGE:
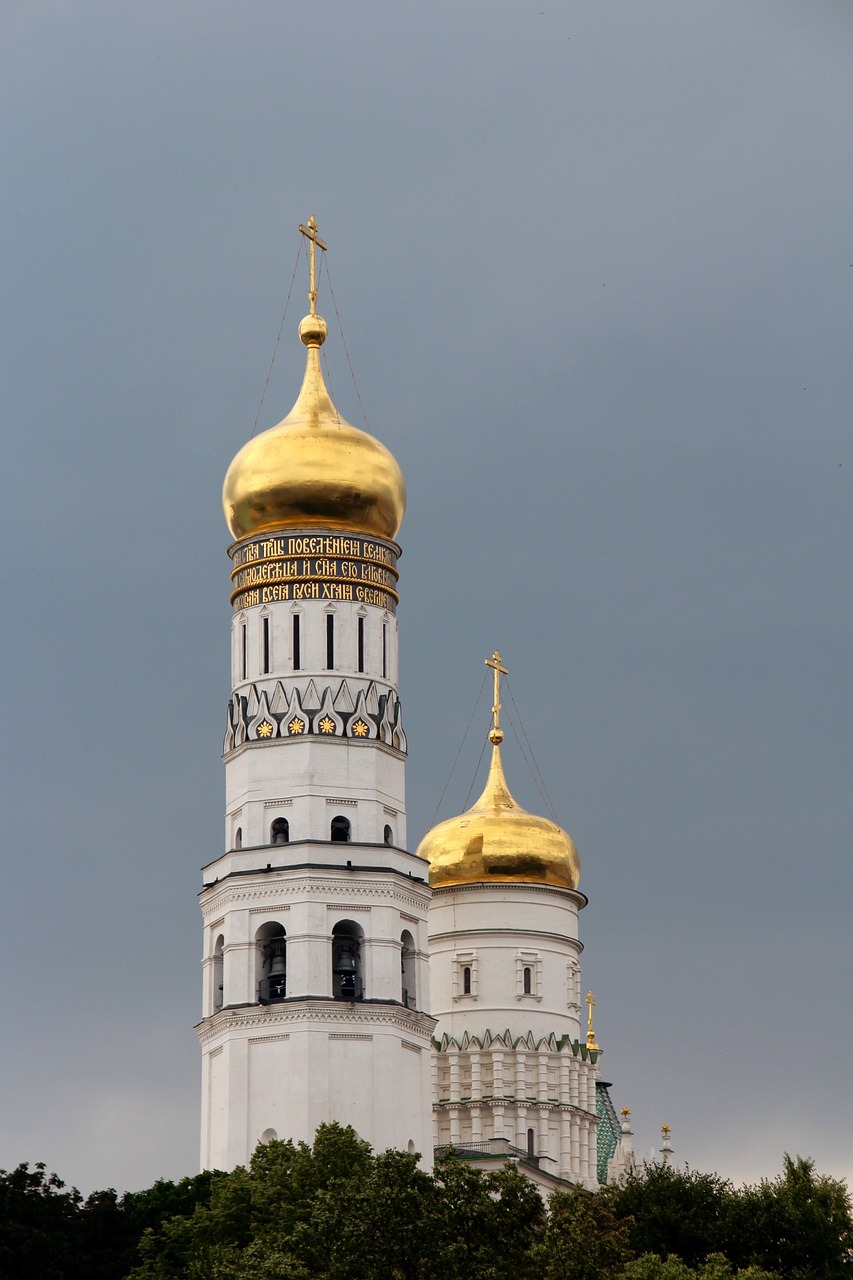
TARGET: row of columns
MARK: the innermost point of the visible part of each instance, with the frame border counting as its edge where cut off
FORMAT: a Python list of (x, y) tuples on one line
[(566, 1127), (509, 1075)]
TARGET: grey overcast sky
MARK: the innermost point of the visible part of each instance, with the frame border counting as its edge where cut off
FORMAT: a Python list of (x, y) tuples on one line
[(594, 264)]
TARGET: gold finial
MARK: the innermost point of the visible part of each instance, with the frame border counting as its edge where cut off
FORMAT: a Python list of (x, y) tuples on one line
[(665, 1130), (310, 232), (312, 330), (626, 1111), (496, 736), (590, 1034)]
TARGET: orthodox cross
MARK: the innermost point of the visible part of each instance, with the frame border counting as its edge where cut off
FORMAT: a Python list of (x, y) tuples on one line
[(310, 232), (496, 736), (590, 1034)]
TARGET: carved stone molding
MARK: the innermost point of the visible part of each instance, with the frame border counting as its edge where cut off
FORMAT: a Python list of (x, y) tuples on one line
[(270, 712), (229, 893), (313, 1012)]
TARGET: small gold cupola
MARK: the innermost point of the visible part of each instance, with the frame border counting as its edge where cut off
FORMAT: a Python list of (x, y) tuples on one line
[(314, 468), (496, 840)]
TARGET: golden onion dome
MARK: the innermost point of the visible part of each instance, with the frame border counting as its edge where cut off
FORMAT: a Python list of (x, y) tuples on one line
[(498, 841), (314, 468)]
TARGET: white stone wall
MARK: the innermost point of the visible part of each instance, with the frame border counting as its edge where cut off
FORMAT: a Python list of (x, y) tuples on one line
[(285, 1067), (312, 614), (302, 780), (498, 930), (512, 1060)]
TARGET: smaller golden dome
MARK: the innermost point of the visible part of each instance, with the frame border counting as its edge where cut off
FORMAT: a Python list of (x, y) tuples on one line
[(498, 841), (314, 468)]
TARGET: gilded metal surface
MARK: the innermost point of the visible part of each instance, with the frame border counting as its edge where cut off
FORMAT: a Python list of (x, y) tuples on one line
[(496, 736), (319, 577), (497, 840), (590, 1033), (314, 468)]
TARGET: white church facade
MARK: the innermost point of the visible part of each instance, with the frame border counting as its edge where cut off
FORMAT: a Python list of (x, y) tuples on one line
[(428, 999)]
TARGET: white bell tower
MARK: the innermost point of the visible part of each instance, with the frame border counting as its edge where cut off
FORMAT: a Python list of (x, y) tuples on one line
[(315, 936), (513, 1075)]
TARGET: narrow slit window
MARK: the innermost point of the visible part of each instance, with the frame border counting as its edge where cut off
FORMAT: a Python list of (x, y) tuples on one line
[(384, 650), (466, 980), (361, 644), (528, 982), (330, 641), (266, 640), (244, 651), (297, 646)]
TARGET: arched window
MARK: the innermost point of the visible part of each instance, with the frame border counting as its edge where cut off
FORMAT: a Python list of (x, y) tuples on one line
[(280, 831), (408, 992), (271, 966), (531, 1142), (341, 832), (238, 838), (388, 835), (466, 980), (218, 979), (347, 940), (528, 980)]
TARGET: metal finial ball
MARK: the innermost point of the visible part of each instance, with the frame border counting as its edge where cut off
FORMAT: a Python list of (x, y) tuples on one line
[(312, 331)]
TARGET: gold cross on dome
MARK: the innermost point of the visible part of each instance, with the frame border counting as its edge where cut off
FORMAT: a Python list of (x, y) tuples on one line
[(496, 736), (590, 1034), (310, 232)]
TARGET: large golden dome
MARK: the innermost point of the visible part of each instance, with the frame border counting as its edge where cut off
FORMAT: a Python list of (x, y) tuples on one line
[(498, 841), (314, 468)]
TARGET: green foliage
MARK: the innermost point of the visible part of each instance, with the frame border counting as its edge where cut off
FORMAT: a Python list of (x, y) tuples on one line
[(800, 1224), (675, 1211), (51, 1232), (485, 1224), (584, 1238), (39, 1224), (336, 1211), (716, 1267)]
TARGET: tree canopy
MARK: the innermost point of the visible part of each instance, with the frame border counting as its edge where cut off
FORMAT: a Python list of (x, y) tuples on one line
[(334, 1210)]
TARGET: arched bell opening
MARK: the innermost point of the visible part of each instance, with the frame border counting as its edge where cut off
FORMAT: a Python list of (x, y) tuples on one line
[(271, 963), (280, 831), (388, 835), (347, 961), (341, 830), (408, 993), (218, 977)]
